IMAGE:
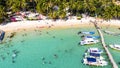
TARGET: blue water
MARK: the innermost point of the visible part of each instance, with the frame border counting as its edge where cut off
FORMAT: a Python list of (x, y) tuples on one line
[(48, 48)]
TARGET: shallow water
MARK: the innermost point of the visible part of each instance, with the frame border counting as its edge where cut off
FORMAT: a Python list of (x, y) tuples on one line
[(49, 48), (111, 39)]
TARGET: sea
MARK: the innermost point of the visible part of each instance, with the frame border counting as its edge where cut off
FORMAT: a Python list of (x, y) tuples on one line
[(52, 48)]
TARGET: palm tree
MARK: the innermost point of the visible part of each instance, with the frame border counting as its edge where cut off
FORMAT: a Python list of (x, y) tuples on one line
[(16, 5), (2, 13)]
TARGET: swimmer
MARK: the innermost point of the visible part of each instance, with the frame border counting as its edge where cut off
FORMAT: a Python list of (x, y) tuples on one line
[(55, 55), (43, 58), (49, 62), (53, 36), (44, 62)]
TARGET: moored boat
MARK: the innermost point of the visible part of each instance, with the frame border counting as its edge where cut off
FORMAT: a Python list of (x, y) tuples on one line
[(89, 41), (94, 61), (93, 57), (85, 32), (94, 37), (94, 50), (115, 46)]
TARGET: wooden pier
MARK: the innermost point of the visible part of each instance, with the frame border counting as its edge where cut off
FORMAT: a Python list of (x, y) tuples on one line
[(105, 47)]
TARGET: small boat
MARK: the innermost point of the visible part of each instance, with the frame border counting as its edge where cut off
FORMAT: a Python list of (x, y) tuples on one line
[(89, 41), (91, 32), (96, 55), (94, 61), (93, 57), (2, 33), (94, 50), (111, 33), (94, 37), (115, 46)]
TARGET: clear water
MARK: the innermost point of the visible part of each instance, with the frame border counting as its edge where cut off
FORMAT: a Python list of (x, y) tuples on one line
[(110, 39), (49, 48)]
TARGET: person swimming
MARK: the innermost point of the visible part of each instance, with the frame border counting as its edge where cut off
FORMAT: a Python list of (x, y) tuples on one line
[(55, 55)]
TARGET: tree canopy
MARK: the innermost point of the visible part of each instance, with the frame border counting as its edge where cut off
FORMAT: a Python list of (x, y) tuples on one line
[(106, 9)]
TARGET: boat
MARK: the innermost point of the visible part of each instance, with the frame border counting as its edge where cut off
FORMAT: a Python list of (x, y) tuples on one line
[(115, 46), (96, 55), (93, 57), (94, 37), (89, 41), (94, 50), (94, 61), (85, 32), (2, 33), (111, 33)]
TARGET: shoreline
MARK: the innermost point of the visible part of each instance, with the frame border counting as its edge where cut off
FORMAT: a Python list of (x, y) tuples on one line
[(84, 22)]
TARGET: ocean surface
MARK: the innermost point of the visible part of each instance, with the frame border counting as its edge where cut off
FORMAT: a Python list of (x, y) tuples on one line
[(51, 48)]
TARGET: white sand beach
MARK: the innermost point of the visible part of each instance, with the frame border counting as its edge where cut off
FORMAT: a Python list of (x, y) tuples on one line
[(58, 23)]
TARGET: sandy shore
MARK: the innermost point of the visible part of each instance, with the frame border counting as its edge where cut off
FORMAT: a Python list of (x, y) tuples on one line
[(15, 26)]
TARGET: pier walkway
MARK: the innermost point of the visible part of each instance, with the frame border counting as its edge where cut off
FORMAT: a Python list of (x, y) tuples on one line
[(105, 47)]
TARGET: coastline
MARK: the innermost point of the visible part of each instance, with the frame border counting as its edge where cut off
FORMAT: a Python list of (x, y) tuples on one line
[(84, 22)]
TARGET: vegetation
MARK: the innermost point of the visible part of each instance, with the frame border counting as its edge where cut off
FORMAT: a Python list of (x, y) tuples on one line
[(106, 9)]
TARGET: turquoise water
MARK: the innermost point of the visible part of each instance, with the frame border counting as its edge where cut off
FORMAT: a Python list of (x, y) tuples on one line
[(110, 39), (49, 48)]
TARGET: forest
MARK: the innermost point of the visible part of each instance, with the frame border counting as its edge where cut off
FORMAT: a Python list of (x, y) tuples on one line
[(59, 9)]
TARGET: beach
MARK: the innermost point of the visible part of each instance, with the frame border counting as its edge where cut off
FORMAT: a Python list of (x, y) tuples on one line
[(48, 43), (15, 26)]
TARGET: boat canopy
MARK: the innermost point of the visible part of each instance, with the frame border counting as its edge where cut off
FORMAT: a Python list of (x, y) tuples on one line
[(91, 32), (89, 59), (94, 37), (95, 54), (94, 50)]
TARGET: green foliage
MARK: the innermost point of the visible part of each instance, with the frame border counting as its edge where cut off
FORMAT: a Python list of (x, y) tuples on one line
[(16, 5), (101, 8)]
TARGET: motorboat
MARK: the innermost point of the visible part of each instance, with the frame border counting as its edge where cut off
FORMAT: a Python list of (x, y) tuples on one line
[(89, 41), (94, 37), (115, 46), (94, 50), (85, 32), (94, 61), (93, 57)]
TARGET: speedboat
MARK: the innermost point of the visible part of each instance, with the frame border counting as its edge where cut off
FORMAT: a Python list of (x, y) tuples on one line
[(94, 61), (94, 37), (93, 57), (94, 50), (83, 32), (89, 41), (115, 46)]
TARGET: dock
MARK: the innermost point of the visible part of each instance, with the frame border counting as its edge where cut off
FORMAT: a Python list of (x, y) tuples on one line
[(114, 65)]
